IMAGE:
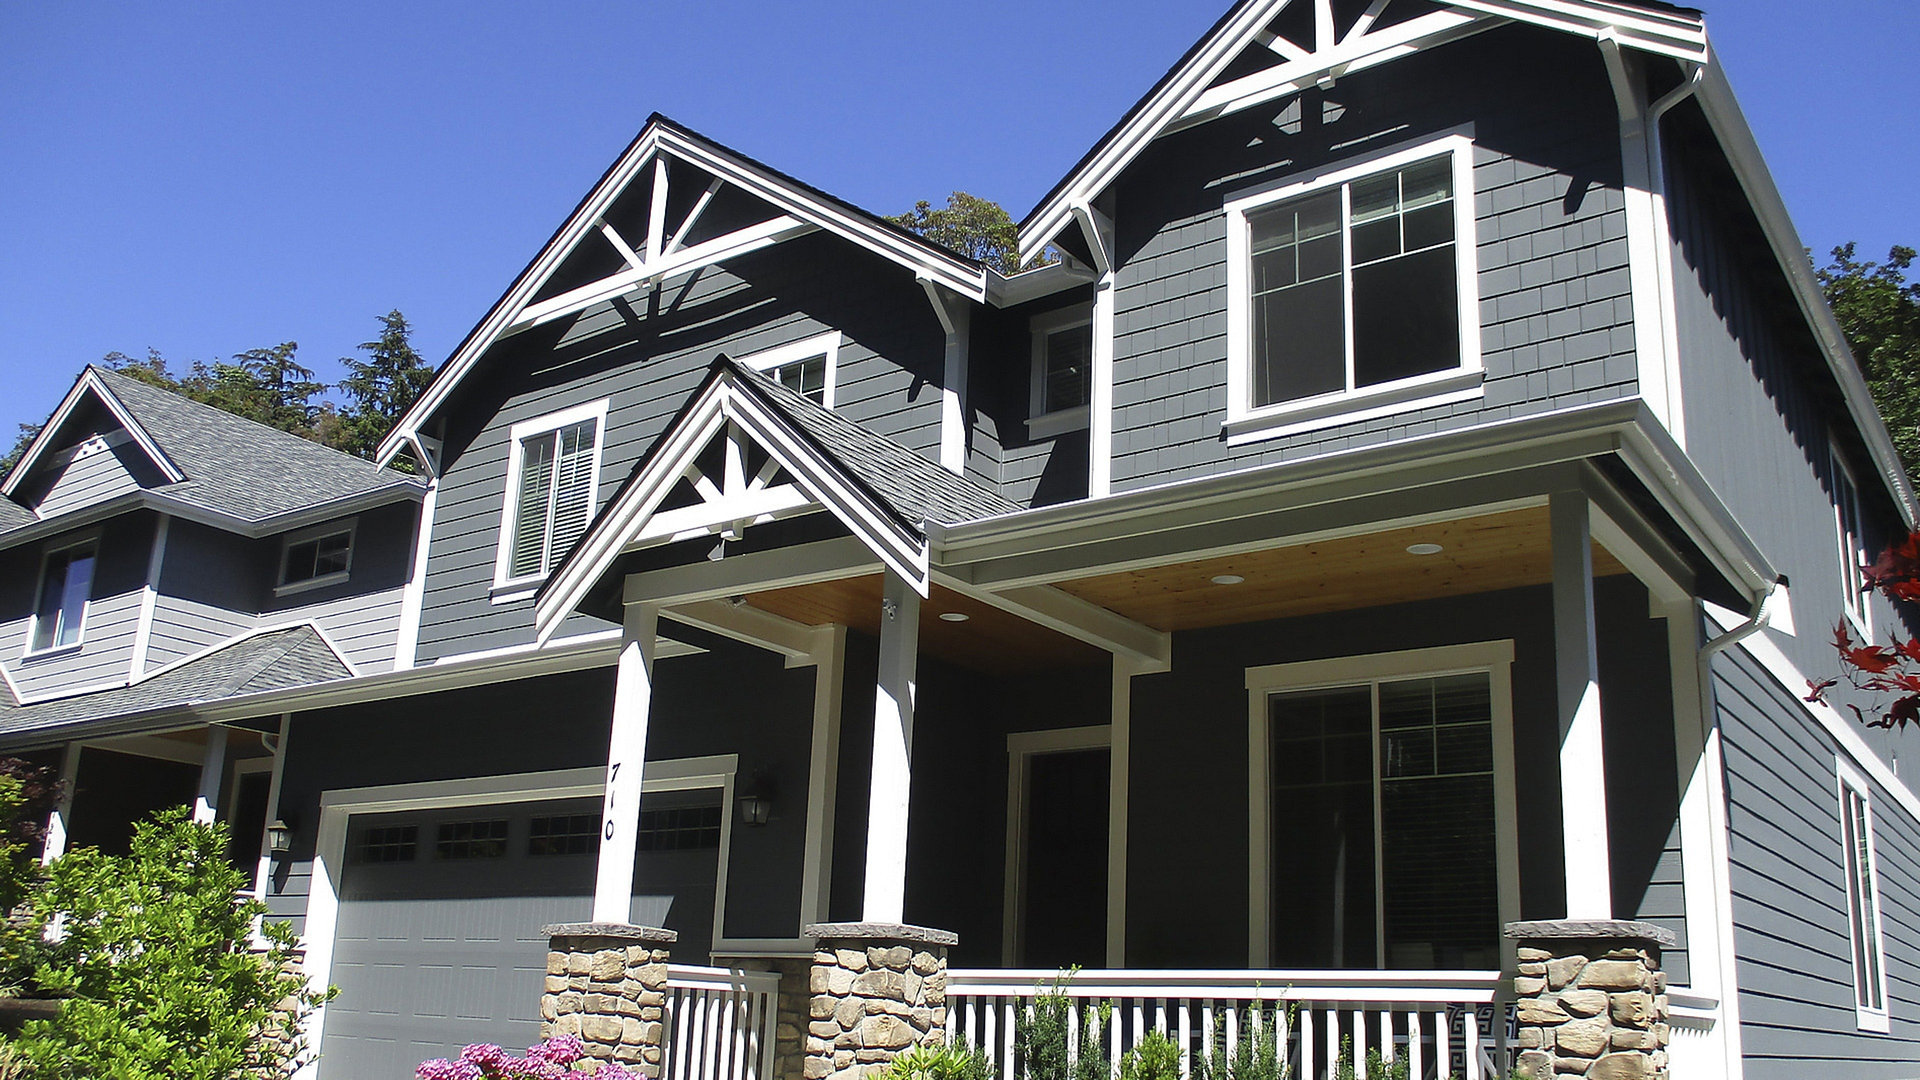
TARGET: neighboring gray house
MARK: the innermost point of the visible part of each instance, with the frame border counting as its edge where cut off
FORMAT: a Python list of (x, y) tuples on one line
[(1414, 504)]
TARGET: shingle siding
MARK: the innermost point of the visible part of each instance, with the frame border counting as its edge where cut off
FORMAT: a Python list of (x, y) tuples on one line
[(1556, 321)]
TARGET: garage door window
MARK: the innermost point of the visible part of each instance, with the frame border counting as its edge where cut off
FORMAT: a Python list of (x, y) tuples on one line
[(570, 834), (394, 843), (472, 839), (679, 828)]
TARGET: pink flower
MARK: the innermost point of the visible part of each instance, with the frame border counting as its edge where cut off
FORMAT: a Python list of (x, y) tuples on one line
[(442, 1069)]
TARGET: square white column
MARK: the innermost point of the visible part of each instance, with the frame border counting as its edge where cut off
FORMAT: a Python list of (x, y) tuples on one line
[(892, 783)]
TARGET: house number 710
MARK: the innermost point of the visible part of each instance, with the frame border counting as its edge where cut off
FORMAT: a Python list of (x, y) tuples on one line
[(613, 774)]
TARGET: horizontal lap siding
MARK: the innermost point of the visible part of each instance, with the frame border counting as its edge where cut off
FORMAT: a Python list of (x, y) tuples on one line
[(1556, 322), (94, 478), (105, 654), (183, 627), (1789, 893), (363, 627), (888, 379)]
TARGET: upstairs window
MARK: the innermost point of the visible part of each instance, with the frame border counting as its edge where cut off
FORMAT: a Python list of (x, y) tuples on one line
[(1863, 901), (66, 584), (552, 482), (1853, 548), (1062, 370), (1354, 289), (804, 367), (314, 557)]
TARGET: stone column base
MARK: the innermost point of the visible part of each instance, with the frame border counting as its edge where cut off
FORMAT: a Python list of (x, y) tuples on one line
[(1592, 1000), (877, 989), (607, 985)]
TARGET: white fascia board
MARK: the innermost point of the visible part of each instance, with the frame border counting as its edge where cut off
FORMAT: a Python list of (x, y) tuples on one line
[(172, 506), (1750, 167), (1004, 291), (89, 382)]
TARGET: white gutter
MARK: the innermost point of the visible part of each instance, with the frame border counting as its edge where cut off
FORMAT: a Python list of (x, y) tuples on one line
[(173, 506)]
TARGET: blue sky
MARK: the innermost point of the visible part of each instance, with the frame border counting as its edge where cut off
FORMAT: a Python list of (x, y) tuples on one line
[(209, 178)]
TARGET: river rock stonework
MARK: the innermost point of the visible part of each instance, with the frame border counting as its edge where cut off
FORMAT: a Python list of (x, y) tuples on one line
[(875, 990), (1591, 1000), (607, 984)]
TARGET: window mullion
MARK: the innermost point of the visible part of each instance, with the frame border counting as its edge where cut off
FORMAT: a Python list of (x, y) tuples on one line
[(1346, 286), (553, 507)]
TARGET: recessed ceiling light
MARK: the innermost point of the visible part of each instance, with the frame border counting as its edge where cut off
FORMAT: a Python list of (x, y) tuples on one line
[(954, 616), (1227, 579), (1424, 549)]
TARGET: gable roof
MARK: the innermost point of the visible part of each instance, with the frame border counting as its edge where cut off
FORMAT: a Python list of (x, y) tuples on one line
[(234, 471), (271, 660), (884, 493), (809, 206)]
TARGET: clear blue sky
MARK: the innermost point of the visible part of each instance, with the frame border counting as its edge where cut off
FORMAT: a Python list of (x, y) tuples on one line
[(209, 178)]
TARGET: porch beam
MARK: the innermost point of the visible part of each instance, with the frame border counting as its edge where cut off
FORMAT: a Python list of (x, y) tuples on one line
[(890, 796), (1583, 776), (1146, 648), (626, 761), (802, 564), (743, 622), (1626, 535), (213, 765)]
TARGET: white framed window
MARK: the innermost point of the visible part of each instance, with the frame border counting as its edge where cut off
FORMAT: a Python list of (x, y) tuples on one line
[(1852, 536), (553, 475), (1351, 293), (1062, 371), (59, 618), (316, 557), (1382, 810), (1863, 900), (805, 367)]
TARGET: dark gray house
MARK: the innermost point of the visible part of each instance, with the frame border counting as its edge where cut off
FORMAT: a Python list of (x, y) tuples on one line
[(1413, 504)]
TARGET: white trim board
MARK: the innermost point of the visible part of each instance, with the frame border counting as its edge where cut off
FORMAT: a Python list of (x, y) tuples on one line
[(338, 806), (1022, 748), (88, 382)]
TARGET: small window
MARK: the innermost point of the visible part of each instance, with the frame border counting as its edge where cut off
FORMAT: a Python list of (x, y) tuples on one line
[(804, 367), (471, 839), (679, 828), (552, 483), (315, 557), (389, 844), (66, 585), (1863, 901), (1354, 289), (1853, 548), (1062, 370), (567, 834)]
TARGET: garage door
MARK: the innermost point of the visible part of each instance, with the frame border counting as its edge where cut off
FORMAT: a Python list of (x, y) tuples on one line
[(438, 942)]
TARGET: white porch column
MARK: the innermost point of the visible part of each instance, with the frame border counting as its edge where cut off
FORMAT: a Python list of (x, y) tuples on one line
[(823, 773), (263, 872), (626, 760), (206, 805), (60, 822), (886, 886), (1119, 740), (1583, 774)]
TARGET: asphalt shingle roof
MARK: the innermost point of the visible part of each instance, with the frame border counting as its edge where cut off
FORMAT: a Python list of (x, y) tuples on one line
[(276, 660)]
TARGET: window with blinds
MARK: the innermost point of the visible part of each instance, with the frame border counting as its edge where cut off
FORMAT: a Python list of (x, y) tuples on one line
[(1383, 833), (553, 499), (1863, 903)]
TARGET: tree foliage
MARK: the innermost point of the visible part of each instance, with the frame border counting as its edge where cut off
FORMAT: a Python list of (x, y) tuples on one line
[(1889, 674), (382, 387), (1879, 310), (968, 225)]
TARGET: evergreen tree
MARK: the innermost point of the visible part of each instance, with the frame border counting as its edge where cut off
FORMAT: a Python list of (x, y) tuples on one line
[(1879, 310), (380, 388)]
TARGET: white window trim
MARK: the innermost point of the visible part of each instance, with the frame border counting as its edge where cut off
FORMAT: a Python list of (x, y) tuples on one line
[(1495, 658), (90, 538), (1041, 424), (1022, 748), (595, 411), (1853, 603), (1244, 422), (827, 345), (1848, 779), (350, 526)]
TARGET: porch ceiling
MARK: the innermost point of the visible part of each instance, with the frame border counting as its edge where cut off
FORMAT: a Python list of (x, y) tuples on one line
[(989, 639), (1480, 554)]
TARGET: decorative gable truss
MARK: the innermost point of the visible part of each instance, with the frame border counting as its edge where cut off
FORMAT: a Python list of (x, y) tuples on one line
[(89, 387), (1265, 50), (673, 204)]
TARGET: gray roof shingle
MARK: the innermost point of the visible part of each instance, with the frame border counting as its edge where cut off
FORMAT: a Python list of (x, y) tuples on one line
[(276, 660)]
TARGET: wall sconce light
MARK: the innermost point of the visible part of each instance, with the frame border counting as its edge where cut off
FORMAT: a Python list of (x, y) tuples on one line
[(279, 839), (756, 801)]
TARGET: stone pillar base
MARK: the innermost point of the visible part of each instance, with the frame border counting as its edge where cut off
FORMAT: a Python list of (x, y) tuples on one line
[(876, 989), (1592, 1000), (607, 985)]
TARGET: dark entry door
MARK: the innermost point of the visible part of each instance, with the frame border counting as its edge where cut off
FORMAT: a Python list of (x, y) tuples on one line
[(1063, 902)]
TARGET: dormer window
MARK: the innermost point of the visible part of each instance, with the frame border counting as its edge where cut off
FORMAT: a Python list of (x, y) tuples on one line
[(552, 482), (1062, 364), (315, 557), (804, 367), (66, 585), (1351, 293)]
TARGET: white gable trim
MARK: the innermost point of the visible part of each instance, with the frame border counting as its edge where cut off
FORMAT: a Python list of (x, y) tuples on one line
[(817, 479), (800, 211), (89, 382)]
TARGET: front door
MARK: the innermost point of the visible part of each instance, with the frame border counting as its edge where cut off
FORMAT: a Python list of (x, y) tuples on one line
[(1061, 906)]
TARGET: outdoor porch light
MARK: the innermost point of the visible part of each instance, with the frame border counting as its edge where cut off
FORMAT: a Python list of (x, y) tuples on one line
[(954, 616), (755, 808), (1227, 579), (1424, 549), (279, 838)]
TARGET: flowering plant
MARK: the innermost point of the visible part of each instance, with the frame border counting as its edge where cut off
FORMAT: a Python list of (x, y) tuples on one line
[(559, 1058)]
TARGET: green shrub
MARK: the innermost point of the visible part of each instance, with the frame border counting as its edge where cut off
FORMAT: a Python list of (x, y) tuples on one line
[(1258, 1056), (1040, 1037), (154, 956), (941, 1063), (1154, 1057)]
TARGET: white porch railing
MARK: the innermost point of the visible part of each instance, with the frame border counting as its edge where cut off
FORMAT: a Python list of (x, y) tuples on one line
[(718, 1023), (1694, 1048), (1441, 1024)]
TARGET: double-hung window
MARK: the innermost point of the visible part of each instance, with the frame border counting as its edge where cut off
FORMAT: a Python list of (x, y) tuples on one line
[(552, 481), (66, 585), (1853, 548), (1062, 370), (1351, 294), (804, 367), (1863, 901)]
